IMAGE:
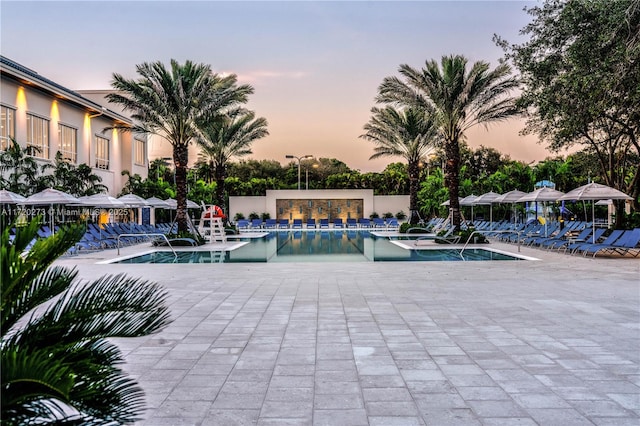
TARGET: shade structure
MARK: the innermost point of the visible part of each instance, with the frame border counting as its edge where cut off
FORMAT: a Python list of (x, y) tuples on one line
[(100, 200), (50, 197), (469, 200), (593, 192), (173, 204), (8, 197), (512, 198), (542, 195), (446, 203), (486, 199), (157, 203), (132, 200)]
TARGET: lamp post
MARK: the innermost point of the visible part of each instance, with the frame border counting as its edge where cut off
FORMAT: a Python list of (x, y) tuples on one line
[(304, 157)]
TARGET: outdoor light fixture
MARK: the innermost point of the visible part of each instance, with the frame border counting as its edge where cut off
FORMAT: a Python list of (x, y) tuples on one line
[(304, 157)]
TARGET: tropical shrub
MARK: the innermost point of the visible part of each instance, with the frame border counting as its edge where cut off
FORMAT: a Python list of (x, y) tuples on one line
[(58, 366)]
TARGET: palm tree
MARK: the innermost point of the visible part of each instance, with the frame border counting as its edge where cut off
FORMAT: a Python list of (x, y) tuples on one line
[(173, 103), (227, 137), (460, 99), (410, 133), (21, 169), (57, 364)]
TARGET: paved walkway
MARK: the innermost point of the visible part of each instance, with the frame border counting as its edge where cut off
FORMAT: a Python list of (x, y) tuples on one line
[(550, 342)]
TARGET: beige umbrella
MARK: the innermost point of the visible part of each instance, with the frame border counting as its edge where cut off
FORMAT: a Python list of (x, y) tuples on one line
[(486, 199), (8, 197), (512, 198), (50, 197), (593, 192), (542, 195)]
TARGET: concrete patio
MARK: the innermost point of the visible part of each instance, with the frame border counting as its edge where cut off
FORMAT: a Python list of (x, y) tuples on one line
[(549, 342)]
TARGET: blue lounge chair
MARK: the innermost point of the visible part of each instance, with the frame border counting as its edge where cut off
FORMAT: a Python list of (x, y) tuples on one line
[(297, 224), (270, 224), (324, 223), (256, 223), (337, 223), (311, 223), (628, 240), (585, 248), (364, 222), (283, 223), (352, 223), (243, 224)]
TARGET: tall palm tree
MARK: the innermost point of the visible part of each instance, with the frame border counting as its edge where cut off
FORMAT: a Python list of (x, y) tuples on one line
[(227, 137), (459, 98), (410, 133), (57, 364), (173, 103)]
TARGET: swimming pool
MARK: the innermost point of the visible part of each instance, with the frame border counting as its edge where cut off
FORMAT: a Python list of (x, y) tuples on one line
[(320, 246)]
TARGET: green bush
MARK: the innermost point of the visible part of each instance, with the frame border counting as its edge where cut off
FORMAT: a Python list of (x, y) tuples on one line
[(264, 216), (387, 215), (401, 215), (374, 215), (238, 216), (254, 215)]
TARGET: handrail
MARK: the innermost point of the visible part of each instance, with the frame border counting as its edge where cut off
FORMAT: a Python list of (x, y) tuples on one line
[(496, 231), (146, 235)]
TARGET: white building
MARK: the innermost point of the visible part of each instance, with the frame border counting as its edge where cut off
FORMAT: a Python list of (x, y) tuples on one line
[(36, 111)]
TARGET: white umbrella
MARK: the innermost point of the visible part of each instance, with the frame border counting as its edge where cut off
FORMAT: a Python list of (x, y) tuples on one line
[(446, 203), (592, 192), (542, 195), (100, 200), (133, 200), (486, 199), (469, 201), (50, 197), (8, 197), (510, 197), (173, 204), (158, 203)]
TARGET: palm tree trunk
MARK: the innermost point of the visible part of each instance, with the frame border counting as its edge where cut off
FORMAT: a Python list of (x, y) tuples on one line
[(180, 159), (414, 172), (452, 180)]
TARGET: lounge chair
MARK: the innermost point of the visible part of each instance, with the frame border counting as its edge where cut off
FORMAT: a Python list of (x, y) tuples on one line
[(626, 241), (270, 224), (352, 223), (324, 223), (379, 222), (256, 223), (364, 222), (283, 223), (297, 224), (585, 248), (392, 223), (337, 223), (242, 224), (311, 223), (583, 237)]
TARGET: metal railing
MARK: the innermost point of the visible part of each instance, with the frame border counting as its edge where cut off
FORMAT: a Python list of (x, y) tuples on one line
[(490, 231), (146, 235)]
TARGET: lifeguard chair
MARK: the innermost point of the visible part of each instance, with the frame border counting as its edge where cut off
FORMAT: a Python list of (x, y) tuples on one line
[(211, 225)]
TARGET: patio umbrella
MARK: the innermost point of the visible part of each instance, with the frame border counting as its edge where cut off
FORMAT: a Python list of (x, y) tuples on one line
[(542, 195), (100, 200), (132, 200), (593, 192), (50, 197), (8, 197), (173, 204), (158, 203), (446, 203), (469, 201), (512, 198), (486, 199)]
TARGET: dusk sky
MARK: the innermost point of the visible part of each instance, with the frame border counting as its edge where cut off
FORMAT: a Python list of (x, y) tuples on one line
[(315, 66)]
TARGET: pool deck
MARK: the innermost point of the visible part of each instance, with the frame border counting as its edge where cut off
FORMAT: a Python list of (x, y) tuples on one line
[(549, 342)]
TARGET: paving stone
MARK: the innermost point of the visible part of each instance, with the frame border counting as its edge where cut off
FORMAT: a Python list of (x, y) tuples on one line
[(357, 417), (219, 417)]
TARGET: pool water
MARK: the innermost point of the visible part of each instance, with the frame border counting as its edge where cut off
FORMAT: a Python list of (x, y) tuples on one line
[(320, 246)]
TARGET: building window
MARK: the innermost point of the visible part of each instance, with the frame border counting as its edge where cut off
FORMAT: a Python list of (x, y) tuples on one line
[(102, 153), (300, 208), (329, 204), (348, 203), (38, 136), (310, 203), (7, 126), (68, 137), (139, 155), (320, 210)]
